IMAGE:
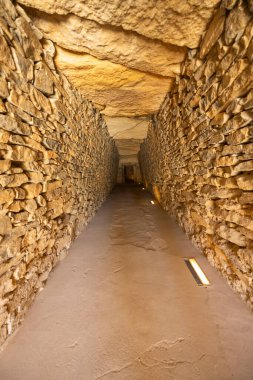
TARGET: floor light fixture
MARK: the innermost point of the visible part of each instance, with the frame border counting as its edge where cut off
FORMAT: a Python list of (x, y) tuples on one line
[(152, 202), (197, 272)]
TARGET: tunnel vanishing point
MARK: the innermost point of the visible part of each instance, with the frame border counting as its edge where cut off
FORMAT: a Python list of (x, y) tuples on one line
[(96, 93)]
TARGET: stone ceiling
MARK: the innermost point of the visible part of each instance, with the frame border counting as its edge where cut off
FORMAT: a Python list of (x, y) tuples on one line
[(123, 55)]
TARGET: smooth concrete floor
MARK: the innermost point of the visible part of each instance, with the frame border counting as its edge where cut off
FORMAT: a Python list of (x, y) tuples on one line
[(124, 306)]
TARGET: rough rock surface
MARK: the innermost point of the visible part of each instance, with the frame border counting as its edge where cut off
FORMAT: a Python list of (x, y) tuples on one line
[(105, 42), (123, 127), (122, 55), (57, 164), (172, 21), (115, 89), (197, 158)]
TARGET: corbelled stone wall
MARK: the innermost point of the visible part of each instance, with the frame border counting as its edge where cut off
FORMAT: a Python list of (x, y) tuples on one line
[(57, 163), (198, 156)]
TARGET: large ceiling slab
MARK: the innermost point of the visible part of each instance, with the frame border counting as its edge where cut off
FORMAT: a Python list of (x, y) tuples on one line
[(123, 55), (114, 88)]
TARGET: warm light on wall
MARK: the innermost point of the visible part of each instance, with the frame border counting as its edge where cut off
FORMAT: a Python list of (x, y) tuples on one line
[(198, 274), (156, 193)]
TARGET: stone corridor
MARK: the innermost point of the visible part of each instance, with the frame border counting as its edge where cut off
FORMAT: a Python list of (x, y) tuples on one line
[(123, 305), (126, 147)]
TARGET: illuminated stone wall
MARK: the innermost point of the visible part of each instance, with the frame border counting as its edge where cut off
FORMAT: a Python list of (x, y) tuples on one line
[(57, 164), (198, 156)]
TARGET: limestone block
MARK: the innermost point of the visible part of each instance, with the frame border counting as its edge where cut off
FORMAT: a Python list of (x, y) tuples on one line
[(4, 137), (117, 45), (233, 235), (6, 179), (35, 177), (15, 206), (29, 205), (232, 73), (32, 190), (220, 119), (3, 318), (112, 87), (53, 185), (40, 101), (19, 271), (5, 54), (240, 86), (244, 166), (56, 206), (43, 80), (24, 66), (4, 166), (229, 4), (21, 153), (2, 106), (19, 193), (245, 181), (4, 93), (155, 20), (247, 102), (19, 113), (10, 9), (28, 39), (227, 183), (7, 286), (213, 32), (226, 161), (26, 141), (9, 124), (250, 51), (236, 22), (18, 180), (240, 149), (240, 136), (29, 237), (238, 219), (5, 225), (6, 196), (238, 121), (23, 102)]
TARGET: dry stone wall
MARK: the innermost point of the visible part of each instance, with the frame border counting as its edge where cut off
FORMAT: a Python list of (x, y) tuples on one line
[(57, 164), (198, 156)]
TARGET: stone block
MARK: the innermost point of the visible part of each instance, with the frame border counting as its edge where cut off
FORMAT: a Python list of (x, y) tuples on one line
[(32, 190), (4, 92), (43, 79), (214, 31), (236, 22), (5, 54), (5, 225), (245, 181), (9, 124)]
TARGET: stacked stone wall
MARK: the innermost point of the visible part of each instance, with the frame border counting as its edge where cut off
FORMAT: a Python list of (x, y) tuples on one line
[(198, 156), (57, 164)]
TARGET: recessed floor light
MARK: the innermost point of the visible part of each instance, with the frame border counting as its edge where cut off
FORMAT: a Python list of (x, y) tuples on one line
[(152, 202), (197, 272)]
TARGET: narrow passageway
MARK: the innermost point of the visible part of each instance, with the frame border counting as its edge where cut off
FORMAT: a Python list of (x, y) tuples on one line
[(123, 305)]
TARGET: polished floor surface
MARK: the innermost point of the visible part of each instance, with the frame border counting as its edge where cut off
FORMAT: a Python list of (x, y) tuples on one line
[(124, 306)]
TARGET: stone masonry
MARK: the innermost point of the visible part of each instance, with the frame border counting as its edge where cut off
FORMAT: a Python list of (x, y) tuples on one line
[(57, 164), (198, 156)]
